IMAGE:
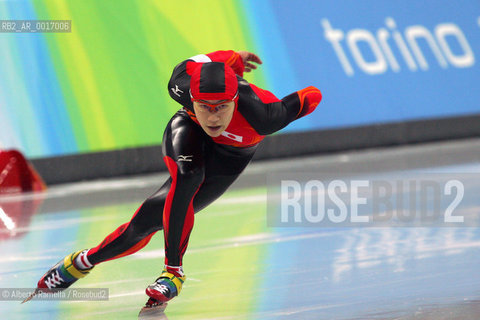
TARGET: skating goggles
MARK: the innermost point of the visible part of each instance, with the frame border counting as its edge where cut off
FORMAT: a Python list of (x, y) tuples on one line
[(213, 107)]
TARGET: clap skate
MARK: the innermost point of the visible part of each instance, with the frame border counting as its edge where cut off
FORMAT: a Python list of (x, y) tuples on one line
[(60, 276), (165, 288)]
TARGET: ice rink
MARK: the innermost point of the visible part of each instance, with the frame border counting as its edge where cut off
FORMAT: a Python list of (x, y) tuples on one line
[(239, 267)]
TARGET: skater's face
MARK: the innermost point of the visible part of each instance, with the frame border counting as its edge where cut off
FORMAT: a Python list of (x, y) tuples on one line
[(214, 116)]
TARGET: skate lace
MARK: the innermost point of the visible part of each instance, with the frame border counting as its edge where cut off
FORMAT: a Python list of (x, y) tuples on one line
[(53, 280), (163, 289)]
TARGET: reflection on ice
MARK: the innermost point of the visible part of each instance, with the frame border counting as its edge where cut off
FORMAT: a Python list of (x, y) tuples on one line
[(365, 248)]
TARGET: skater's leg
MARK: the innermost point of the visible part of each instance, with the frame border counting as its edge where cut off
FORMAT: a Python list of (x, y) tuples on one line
[(130, 237), (222, 168), (221, 171), (184, 150), (134, 235)]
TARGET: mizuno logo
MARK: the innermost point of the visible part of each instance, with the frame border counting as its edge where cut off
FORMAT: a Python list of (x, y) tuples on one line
[(176, 91), (185, 158)]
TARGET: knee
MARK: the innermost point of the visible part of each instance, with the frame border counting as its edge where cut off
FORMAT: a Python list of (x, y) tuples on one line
[(148, 219), (139, 231)]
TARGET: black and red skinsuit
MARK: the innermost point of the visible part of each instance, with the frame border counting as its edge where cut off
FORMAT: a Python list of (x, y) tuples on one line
[(201, 167)]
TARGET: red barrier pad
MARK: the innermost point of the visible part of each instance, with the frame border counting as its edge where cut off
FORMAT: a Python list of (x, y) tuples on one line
[(17, 174)]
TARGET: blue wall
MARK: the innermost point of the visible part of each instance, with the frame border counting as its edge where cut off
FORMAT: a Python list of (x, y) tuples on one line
[(375, 61)]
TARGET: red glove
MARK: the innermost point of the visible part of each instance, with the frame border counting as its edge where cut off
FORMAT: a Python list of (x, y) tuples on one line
[(309, 97)]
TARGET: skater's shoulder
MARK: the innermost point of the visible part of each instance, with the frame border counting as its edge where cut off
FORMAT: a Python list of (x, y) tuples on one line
[(252, 96)]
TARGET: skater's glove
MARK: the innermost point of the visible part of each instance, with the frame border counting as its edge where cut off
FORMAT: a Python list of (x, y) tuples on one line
[(247, 58), (309, 97)]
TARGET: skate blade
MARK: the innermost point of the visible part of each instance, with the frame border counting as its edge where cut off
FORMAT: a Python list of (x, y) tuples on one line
[(153, 312), (34, 293)]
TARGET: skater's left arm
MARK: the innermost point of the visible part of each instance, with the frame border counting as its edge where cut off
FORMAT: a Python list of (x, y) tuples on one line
[(239, 61), (270, 114)]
